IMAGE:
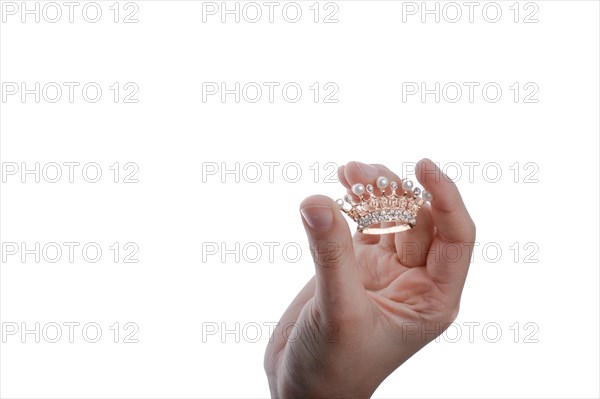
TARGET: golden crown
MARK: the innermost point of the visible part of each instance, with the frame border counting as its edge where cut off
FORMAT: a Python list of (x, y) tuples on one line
[(384, 213)]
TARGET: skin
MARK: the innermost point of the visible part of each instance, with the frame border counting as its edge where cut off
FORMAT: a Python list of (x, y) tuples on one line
[(374, 300)]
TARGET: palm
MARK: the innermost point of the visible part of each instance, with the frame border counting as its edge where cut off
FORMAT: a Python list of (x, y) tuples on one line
[(398, 290)]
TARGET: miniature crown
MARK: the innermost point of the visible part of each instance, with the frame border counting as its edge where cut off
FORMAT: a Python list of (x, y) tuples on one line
[(398, 208)]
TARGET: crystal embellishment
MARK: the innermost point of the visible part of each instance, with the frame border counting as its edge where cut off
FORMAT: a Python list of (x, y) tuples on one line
[(383, 213)]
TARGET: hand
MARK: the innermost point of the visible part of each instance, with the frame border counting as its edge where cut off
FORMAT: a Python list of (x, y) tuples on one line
[(375, 300)]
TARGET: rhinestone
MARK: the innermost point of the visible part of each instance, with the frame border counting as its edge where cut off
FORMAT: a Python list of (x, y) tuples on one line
[(370, 188), (394, 185)]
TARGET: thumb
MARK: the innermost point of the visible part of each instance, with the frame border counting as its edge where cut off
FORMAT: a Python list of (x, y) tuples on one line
[(337, 279)]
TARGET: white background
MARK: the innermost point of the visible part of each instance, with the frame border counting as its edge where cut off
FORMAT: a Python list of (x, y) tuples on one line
[(174, 213)]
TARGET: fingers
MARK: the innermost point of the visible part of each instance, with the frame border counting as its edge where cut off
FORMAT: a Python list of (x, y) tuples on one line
[(356, 174), (342, 177), (450, 215), (447, 220), (338, 286), (450, 251), (412, 246)]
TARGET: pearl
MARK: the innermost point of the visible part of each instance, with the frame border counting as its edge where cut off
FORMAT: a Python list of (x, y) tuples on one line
[(339, 203), (358, 189), (407, 185), (427, 196), (382, 182)]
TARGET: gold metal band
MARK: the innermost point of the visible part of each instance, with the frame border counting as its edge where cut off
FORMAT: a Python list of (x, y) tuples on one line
[(385, 230)]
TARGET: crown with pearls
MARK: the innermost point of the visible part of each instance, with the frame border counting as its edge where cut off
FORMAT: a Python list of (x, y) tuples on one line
[(398, 209)]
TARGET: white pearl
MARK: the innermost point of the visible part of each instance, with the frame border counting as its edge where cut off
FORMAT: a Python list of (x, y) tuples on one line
[(407, 185), (339, 203), (427, 196), (382, 182), (358, 189)]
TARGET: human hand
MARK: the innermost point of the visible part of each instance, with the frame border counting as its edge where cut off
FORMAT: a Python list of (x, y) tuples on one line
[(375, 300)]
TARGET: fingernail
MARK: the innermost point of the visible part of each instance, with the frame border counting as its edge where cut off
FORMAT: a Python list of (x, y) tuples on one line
[(369, 171), (318, 217)]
